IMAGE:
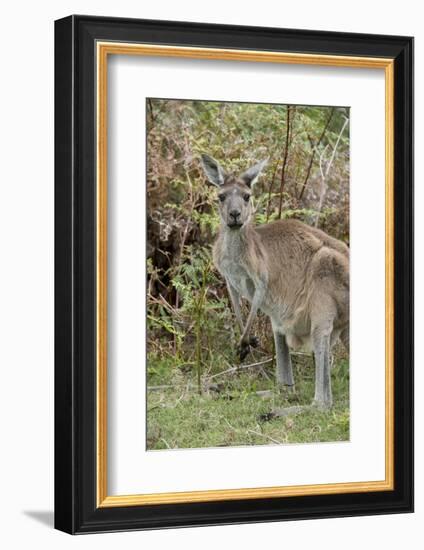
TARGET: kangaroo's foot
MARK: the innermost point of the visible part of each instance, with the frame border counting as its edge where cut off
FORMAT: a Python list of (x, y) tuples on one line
[(295, 409), (321, 405)]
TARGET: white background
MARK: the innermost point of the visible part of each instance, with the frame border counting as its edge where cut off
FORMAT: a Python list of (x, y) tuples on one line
[(26, 289), (131, 80)]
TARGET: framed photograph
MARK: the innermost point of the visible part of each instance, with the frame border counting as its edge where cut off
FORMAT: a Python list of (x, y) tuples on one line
[(234, 274)]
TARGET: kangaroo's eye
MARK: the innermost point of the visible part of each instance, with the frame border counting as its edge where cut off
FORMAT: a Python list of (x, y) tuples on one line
[(221, 197), (246, 197)]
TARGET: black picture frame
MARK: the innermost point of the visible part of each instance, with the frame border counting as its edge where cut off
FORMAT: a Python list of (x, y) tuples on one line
[(76, 510)]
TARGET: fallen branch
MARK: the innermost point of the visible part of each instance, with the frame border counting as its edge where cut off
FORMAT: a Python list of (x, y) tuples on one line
[(240, 367), (227, 371), (305, 353)]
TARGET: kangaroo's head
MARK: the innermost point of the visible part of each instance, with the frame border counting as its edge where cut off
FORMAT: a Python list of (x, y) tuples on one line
[(234, 192)]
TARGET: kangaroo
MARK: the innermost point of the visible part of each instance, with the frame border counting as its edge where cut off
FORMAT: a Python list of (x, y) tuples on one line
[(296, 274)]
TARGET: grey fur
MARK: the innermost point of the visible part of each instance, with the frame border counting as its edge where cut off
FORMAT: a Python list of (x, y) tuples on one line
[(296, 274)]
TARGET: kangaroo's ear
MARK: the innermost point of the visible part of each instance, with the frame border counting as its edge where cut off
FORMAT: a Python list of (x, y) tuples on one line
[(213, 170), (250, 176)]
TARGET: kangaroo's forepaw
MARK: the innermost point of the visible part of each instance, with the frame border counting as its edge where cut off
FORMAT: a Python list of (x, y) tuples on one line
[(254, 341), (244, 351), (246, 344)]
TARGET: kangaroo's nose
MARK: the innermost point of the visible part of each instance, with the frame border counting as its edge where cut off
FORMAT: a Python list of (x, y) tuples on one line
[(235, 214)]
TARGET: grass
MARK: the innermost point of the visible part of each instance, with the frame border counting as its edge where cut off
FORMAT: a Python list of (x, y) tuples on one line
[(232, 408)]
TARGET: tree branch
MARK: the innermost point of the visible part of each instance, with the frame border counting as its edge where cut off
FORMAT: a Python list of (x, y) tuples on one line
[(271, 187), (326, 171), (283, 169), (314, 150)]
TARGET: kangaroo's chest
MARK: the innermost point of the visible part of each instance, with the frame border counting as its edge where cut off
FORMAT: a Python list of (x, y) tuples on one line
[(238, 276)]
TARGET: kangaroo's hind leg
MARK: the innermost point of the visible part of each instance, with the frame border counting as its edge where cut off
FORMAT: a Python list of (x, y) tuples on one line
[(322, 327), (284, 364)]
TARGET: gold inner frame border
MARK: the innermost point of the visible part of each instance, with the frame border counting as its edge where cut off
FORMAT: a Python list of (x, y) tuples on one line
[(103, 50)]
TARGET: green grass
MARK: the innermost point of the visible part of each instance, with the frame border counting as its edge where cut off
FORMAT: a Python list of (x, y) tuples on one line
[(232, 408)]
